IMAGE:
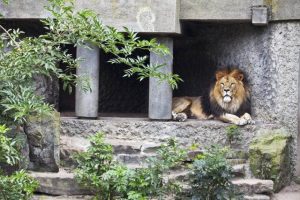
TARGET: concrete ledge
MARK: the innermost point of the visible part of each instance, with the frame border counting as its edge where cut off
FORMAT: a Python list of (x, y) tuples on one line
[(158, 16), (203, 133)]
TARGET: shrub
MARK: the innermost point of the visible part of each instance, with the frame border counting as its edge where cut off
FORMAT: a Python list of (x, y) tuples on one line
[(233, 133), (40, 56), (210, 176), (18, 185), (98, 171)]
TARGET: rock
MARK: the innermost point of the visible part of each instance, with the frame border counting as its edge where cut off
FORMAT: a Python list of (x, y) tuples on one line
[(269, 157), (48, 88), (253, 186), (43, 137), (257, 197), (239, 170), (70, 146), (61, 183), (46, 197)]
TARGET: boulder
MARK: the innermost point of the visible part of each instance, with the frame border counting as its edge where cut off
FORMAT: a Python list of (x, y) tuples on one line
[(269, 156), (43, 134)]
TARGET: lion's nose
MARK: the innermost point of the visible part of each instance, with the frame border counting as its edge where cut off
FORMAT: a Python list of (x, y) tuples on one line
[(226, 90)]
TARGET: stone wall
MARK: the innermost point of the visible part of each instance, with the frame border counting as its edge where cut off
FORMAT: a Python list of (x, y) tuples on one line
[(269, 55)]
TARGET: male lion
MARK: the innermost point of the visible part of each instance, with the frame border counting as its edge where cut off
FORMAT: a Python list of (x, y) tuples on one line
[(228, 100)]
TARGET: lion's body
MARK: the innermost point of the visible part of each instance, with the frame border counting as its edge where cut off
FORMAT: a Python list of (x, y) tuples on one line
[(228, 100)]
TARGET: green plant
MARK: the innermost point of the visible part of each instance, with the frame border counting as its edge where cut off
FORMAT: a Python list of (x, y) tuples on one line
[(233, 133), (210, 176), (109, 179), (22, 58), (8, 150), (18, 185)]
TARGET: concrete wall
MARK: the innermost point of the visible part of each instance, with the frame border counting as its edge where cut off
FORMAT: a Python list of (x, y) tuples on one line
[(158, 16), (138, 15), (269, 55)]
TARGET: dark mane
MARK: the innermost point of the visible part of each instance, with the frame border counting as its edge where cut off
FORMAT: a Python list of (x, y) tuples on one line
[(211, 107)]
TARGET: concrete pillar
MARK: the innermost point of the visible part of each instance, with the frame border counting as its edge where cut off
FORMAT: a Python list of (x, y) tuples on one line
[(86, 103), (160, 93)]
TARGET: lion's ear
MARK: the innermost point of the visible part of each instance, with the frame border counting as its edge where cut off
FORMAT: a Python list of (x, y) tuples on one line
[(220, 74), (238, 75)]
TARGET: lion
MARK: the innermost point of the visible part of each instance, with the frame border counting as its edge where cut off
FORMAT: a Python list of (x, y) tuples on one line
[(228, 100)]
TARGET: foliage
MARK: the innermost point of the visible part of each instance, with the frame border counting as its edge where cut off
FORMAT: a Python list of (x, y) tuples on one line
[(23, 58), (109, 179), (210, 177), (8, 150), (233, 133), (19, 185)]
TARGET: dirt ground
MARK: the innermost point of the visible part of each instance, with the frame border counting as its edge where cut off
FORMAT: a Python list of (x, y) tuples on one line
[(291, 192)]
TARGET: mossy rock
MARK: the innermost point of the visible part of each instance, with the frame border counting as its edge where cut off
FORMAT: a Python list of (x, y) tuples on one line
[(269, 156), (43, 134)]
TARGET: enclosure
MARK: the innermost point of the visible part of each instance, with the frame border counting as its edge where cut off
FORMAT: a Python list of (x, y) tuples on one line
[(260, 37)]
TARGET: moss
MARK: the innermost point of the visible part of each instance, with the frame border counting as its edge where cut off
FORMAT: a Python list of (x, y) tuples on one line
[(269, 157)]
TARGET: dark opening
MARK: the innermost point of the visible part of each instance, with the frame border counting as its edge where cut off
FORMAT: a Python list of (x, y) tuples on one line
[(205, 46), (118, 94)]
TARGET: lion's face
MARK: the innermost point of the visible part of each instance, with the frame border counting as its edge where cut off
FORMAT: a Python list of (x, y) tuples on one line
[(229, 90), (227, 87)]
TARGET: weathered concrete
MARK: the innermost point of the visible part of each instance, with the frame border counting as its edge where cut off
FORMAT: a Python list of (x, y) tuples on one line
[(160, 92), (86, 102), (268, 55), (253, 186), (260, 15), (160, 16), (204, 133), (138, 15)]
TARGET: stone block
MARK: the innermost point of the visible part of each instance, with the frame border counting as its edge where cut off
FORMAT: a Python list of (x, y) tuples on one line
[(62, 183), (269, 156), (253, 186), (260, 15), (43, 134)]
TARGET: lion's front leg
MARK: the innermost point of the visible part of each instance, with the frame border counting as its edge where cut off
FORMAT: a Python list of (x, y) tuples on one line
[(230, 118)]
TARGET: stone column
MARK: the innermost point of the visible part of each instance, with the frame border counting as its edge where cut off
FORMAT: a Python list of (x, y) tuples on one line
[(160, 93), (87, 102)]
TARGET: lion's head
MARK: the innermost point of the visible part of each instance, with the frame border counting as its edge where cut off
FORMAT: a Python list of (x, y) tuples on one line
[(229, 90)]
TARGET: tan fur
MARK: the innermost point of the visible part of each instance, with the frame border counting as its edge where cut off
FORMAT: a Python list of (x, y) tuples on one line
[(229, 92)]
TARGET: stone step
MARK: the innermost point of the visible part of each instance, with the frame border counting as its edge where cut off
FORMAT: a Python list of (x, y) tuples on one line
[(133, 148), (48, 197), (236, 161), (239, 170), (61, 183), (253, 186), (257, 197)]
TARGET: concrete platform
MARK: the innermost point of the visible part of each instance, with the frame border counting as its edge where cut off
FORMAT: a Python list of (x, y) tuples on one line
[(204, 133)]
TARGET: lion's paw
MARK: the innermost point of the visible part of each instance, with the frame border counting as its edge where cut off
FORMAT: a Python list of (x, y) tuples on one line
[(181, 117), (241, 122), (248, 118)]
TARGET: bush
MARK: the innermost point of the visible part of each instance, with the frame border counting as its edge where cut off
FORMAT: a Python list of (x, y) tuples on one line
[(211, 174), (98, 171), (29, 57), (18, 185)]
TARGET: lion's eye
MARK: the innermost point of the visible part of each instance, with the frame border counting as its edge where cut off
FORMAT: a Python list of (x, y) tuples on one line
[(232, 84), (222, 84)]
